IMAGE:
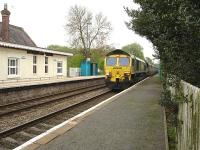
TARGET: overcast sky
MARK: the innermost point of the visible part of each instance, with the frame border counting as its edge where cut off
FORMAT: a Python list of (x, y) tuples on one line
[(44, 20)]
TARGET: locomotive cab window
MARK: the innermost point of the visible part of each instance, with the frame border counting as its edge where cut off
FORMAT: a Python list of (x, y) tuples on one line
[(123, 61), (111, 61)]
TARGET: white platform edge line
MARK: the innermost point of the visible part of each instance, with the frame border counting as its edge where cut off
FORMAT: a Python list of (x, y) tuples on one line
[(31, 141)]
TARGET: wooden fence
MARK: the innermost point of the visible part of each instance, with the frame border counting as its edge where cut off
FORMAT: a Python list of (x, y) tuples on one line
[(188, 130)]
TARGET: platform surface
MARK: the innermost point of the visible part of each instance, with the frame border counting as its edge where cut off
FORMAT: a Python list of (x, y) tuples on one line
[(40, 81), (133, 121)]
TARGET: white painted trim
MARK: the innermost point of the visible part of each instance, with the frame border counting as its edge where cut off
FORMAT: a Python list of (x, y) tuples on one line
[(59, 74), (31, 141), (13, 76), (28, 48), (10, 76)]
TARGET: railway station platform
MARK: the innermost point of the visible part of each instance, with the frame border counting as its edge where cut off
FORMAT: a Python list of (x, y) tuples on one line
[(13, 91), (40, 81), (133, 120)]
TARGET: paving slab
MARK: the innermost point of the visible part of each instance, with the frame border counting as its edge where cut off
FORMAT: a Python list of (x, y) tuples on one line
[(134, 121)]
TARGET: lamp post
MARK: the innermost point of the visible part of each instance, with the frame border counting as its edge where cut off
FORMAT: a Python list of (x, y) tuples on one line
[(88, 39), (87, 72)]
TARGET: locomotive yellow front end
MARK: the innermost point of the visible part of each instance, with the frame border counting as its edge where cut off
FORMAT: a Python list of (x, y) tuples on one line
[(117, 67)]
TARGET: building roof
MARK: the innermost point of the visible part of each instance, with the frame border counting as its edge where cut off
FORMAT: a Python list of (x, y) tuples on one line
[(33, 49), (17, 35)]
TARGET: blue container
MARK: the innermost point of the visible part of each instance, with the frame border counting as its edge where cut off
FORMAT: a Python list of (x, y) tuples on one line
[(94, 69), (85, 68)]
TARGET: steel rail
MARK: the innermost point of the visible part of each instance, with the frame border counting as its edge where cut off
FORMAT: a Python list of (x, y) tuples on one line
[(56, 99), (15, 129), (45, 96)]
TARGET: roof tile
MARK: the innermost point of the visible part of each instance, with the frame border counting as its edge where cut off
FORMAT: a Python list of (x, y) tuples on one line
[(19, 36)]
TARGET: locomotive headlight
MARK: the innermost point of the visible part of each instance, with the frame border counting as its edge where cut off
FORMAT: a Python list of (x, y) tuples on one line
[(126, 74), (108, 74)]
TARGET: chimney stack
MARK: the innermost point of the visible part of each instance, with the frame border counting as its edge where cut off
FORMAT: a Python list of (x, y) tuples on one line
[(5, 24)]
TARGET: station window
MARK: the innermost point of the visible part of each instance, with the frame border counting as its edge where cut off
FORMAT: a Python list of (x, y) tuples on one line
[(34, 64), (46, 64), (13, 66), (59, 67)]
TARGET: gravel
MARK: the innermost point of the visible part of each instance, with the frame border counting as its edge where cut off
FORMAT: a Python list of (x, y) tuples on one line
[(10, 121)]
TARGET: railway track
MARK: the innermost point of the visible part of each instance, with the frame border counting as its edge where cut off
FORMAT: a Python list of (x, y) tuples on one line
[(9, 109), (17, 135)]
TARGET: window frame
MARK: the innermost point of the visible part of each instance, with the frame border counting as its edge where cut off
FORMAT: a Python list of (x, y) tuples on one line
[(34, 64), (46, 65), (15, 67), (59, 68)]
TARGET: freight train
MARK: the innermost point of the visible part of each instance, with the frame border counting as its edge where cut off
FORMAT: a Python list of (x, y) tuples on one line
[(123, 69)]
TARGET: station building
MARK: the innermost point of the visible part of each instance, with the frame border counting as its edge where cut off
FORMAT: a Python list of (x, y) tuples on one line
[(20, 58)]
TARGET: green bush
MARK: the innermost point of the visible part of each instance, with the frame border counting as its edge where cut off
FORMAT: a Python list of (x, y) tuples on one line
[(75, 61)]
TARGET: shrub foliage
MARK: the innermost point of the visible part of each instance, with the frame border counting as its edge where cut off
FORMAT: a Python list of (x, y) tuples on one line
[(173, 26)]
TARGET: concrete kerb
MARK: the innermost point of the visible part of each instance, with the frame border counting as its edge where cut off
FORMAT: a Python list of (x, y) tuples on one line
[(69, 124)]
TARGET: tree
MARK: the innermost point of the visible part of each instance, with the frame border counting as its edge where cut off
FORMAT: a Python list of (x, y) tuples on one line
[(173, 28), (149, 60), (75, 60), (108, 48), (62, 48), (72, 61), (134, 49), (85, 31), (97, 56)]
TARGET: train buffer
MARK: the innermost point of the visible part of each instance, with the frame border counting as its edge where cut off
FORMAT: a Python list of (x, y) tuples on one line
[(132, 121)]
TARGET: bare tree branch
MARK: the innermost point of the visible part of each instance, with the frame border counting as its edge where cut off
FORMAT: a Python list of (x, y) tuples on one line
[(86, 32)]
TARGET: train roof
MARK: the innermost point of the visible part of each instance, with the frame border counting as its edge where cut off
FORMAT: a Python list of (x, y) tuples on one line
[(139, 59), (117, 51)]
